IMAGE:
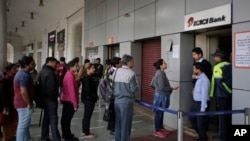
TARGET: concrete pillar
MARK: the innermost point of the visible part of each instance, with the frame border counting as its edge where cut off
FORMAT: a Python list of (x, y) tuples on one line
[(3, 31)]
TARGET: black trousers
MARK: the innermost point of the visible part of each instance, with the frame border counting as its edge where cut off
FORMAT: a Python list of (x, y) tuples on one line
[(50, 118), (88, 111), (111, 123), (67, 115), (199, 123)]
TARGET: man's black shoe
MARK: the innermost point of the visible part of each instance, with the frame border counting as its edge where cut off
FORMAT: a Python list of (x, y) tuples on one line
[(112, 133), (71, 139)]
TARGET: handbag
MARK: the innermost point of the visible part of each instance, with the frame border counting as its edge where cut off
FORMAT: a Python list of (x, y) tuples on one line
[(106, 116)]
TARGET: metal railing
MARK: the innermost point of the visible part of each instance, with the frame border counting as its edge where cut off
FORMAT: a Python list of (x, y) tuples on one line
[(180, 114)]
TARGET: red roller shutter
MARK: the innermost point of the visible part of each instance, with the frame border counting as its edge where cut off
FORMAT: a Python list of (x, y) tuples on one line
[(151, 51)]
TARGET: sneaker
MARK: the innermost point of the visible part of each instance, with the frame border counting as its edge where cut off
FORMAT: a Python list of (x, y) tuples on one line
[(165, 131), (89, 136), (159, 134)]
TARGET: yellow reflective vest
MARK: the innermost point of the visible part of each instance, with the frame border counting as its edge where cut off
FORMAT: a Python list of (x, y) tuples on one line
[(219, 87)]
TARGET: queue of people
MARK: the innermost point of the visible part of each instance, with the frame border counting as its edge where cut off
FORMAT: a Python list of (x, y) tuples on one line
[(64, 80)]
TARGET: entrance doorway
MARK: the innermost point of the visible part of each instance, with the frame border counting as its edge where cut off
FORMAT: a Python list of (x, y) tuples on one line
[(210, 41), (113, 51)]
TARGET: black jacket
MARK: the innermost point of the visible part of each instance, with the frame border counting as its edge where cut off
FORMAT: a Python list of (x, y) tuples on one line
[(49, 84), (89, 89), (208, 68)]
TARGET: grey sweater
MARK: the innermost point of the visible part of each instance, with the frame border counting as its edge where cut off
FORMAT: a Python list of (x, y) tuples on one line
[(161, 83)]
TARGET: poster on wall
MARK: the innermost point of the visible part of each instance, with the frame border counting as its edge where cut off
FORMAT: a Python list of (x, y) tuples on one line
[(92, 56), (242, 49)]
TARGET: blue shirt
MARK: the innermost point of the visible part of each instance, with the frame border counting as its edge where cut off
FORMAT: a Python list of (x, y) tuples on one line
[(201, 90)]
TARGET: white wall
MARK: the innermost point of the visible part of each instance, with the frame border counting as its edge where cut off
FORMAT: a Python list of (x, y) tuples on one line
[(74, 35)]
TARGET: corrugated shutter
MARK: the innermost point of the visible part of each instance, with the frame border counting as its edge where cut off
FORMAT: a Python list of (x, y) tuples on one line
[(151, 51)]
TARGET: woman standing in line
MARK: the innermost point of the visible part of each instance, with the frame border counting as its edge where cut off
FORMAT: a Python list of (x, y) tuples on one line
[(161, 97), (89, 98), (10, 126), (70, 100)]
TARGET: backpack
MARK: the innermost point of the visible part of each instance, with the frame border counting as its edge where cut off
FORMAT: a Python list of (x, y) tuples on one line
[(38, 96), (105, 88)]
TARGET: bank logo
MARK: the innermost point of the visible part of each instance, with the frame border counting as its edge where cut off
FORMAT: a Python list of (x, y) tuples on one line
[(190, 22)]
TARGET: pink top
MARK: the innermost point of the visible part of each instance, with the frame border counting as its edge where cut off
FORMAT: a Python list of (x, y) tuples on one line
[(70, 90)]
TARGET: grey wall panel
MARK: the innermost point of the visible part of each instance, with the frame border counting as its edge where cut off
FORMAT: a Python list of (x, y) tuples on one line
[(241, 10), (173, 70), (92, 35), (126, 28), (141, 3), (99, 1), (145, 22), (101, 13), (86, 40), (186, 99), (92, 18), (170, 119), (193, 6), (112, 9), (186, 60), (168, 19), (241, 77), (126, 6), (90, 4), (100, 34), (112, 30), (240, 101), (86, 21)]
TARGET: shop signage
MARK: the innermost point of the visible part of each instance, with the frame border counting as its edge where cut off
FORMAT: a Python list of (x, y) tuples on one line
[(208, 18), (91, 44), (111, 40), (242, 49)]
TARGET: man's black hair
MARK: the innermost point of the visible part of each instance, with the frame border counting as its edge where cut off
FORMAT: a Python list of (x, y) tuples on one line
[(198, 50), (48, 59), (199, 66)]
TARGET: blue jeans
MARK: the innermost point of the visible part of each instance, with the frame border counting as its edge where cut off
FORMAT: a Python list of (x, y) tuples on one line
[(24, 117), (123, 121), (160, 100)]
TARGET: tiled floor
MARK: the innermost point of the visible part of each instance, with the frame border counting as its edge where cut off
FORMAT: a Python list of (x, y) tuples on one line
[(142, 128)]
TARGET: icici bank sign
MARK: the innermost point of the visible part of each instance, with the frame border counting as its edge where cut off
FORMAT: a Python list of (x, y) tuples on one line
[(208, 18)]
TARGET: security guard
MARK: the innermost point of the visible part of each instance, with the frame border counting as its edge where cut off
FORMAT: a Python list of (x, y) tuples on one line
[(221, 89)]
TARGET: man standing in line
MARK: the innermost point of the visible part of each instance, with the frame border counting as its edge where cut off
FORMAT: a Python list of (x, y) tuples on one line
[(198, 57), (221, 88), (200, 97), (49, 85), (125, 86), (23, 99), (98, 69)]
